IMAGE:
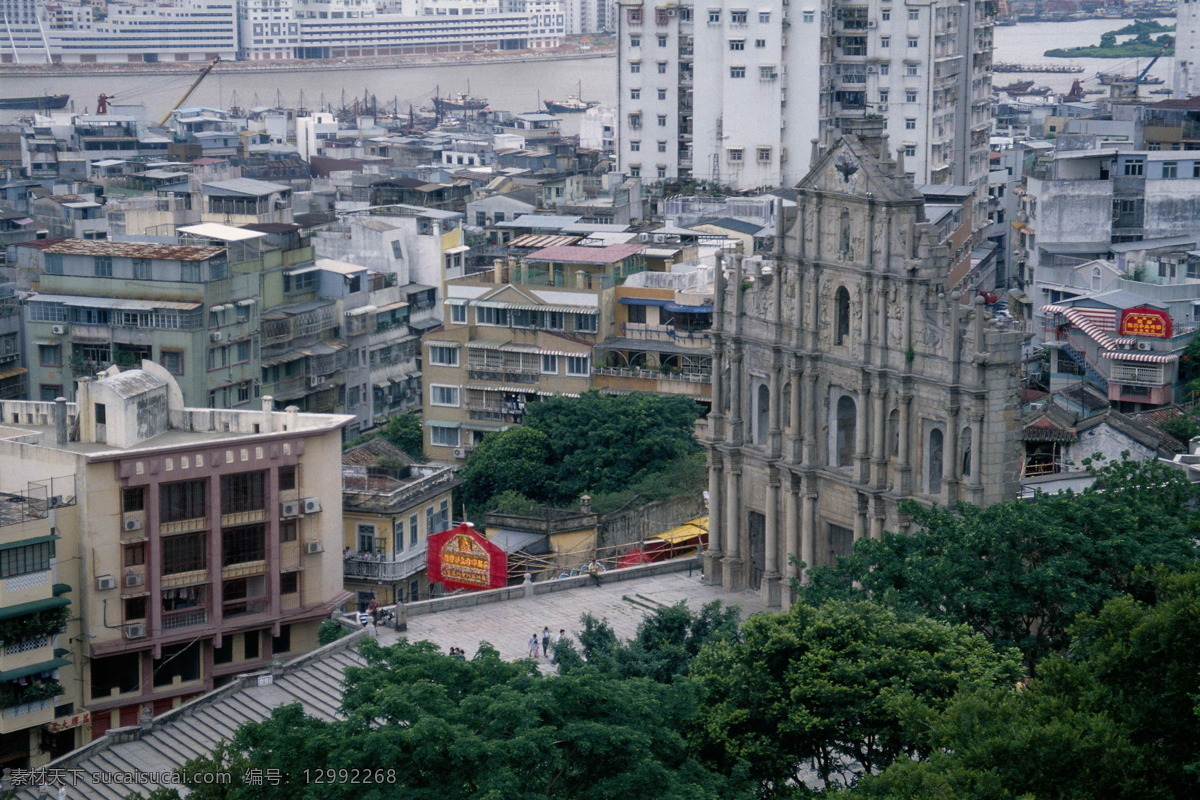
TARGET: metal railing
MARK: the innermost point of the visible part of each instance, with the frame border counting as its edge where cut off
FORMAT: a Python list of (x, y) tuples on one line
[(183, 619), (390, 570)]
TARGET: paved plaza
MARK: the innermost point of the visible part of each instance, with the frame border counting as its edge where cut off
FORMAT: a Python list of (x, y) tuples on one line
[(508, 625)]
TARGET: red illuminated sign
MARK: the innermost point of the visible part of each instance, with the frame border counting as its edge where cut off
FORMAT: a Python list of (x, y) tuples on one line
[(461, 558), (1146, 322)]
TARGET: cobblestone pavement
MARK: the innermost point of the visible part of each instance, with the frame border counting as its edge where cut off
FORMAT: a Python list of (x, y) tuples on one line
[(508, 625)]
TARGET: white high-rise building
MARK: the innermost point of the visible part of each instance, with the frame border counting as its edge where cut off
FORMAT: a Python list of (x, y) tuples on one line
[(269, 30), (1187, 49), (734, 93)]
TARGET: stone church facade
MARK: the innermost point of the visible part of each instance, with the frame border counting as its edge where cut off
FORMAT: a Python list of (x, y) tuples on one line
[(846, 379)]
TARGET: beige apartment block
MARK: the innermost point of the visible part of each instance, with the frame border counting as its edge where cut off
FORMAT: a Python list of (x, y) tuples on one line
[(520, 333), (207, 541)]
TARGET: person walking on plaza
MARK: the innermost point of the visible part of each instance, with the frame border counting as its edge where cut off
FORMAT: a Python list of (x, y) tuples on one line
[(546, 641), (534, 649), (562, 634), (373, 610)]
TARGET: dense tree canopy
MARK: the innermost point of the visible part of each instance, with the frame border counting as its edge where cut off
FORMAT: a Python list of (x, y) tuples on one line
[(1119, 716), (567, 447), (835, 687), (1020, 571)]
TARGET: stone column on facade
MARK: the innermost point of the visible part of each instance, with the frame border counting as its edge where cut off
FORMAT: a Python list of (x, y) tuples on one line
[(775, 409), (736, 386), (731, 565), (860, 516), (862, 432), (808, 527), (712, 556), (976, 483), (904, 448), (770, 584), (878, 513), (795, 435), (791, 544), (810, 418), (879, 435)]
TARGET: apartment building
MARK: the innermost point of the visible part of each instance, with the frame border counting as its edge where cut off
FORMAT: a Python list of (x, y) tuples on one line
[(99, 303), (208, 541), (924, 68), (41, 700), (515, 334), (1186, 77), (186, 30), (391, 505)]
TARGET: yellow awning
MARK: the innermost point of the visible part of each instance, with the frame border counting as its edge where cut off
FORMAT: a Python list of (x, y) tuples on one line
[(686, 531)]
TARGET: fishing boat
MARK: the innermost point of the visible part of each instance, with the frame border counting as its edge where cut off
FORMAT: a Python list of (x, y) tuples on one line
[(459, 102), (39, 103), (1109, 78), (572, 105), (1017, 88)]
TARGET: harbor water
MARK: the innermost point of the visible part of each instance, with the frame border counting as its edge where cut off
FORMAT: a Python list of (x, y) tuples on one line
[(513, 86)]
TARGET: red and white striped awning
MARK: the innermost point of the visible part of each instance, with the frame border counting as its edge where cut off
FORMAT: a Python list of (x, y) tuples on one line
[(1152, 358), (1095, 322)]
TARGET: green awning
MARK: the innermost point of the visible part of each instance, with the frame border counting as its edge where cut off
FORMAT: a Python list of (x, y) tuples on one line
[(61, 588), (27, 542), (33, 669), (20, 609)]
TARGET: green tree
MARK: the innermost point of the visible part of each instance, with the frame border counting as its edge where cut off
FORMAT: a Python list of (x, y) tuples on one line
[(1020, 571), (404, 431), (664, 648), (515, 460), (838, 689), (1119, 716), (484, 729), (568, 447)]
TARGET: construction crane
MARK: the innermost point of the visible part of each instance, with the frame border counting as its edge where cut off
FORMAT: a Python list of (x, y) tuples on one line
[(203, 74), (1154, 60)]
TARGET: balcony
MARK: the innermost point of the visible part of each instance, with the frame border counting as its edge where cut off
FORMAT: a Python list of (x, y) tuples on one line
[(642, 373), (245, 607), (398, 569), (243, 518), (185, 618), (183, 526)]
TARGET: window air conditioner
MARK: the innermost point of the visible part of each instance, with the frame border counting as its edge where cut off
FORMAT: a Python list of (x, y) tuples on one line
[(135, 630)]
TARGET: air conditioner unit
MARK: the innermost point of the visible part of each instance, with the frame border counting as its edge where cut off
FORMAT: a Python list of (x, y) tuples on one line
[(58, 330), (872, 69), (135, 630), (314, 548), (106, 582), (659, 238), (289, 509), (132, 525), (216, 336), (643, 237), (460, 452), (872, 24), (133, 580), (315, 380), (311, 505), (1143, 346)]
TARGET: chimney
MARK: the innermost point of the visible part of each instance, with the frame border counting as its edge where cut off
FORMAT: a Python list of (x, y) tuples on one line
[(268, 408), (498, 270)]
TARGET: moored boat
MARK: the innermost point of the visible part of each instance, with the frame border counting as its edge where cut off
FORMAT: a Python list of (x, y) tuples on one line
[(38, 103), (572, 105)]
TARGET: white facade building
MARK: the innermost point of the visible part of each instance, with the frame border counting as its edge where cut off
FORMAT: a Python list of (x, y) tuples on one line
[(777, 74), (1186, 81), (268, 29)]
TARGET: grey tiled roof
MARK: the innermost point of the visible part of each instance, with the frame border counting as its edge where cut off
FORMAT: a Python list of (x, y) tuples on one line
[(313, 680)]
